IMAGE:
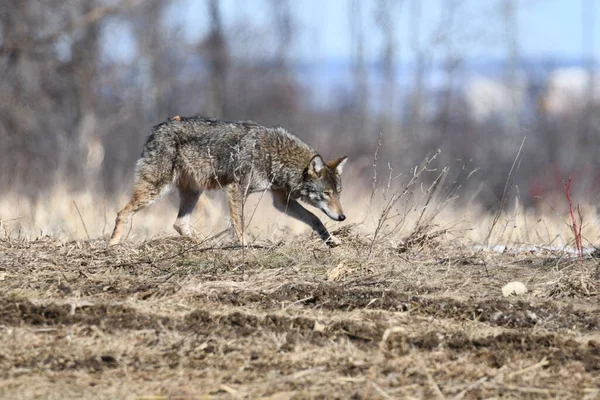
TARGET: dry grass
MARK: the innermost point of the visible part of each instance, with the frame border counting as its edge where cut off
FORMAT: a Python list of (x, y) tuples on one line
[(65, 215), (181, 318), (168, 317)]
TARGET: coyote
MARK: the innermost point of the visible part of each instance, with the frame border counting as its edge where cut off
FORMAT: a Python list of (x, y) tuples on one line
[(196, 154)]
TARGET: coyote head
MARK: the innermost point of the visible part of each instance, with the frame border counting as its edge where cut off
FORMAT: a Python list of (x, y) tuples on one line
[(322, 185)]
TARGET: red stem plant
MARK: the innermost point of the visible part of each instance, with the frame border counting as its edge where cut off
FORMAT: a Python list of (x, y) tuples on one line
[(575, 226)]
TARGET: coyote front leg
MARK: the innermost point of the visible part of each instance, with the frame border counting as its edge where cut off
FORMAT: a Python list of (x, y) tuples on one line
[(295, 210)]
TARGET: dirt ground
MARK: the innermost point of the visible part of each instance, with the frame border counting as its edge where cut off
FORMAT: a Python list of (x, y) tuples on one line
[(177, 318)]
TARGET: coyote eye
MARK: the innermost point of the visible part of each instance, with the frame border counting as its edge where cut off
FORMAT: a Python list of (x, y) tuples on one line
[(329, 193)]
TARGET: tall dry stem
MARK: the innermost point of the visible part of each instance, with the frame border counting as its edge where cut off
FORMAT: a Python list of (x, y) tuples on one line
[(507, 186), (396, 196)]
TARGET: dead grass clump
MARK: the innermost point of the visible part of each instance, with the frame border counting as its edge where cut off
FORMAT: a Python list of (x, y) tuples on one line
[(423, 237), (577, 281)]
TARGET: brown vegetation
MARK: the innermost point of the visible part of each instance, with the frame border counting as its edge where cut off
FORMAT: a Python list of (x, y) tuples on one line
[(176, 318), (408, 306)]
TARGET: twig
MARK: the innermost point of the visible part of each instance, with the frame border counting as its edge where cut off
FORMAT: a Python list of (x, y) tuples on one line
[(82, 221), (380, 390), (379, 141), (298, 302), (534, 390), (396, 196), (575, 227), (541, 364), (505, 192), (470, 387)]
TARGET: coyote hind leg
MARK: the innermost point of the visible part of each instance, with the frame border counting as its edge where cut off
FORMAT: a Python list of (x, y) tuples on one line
[(144, 193), (236, 209), (187, 202)]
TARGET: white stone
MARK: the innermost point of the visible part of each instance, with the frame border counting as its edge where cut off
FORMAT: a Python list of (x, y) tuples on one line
[(514, 289)]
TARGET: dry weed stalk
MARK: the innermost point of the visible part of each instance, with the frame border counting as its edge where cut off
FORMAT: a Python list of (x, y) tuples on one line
[(421, 233), (507, 186), (82, 221), (425, 230), (396, 196), (374, 190), (576, 227)]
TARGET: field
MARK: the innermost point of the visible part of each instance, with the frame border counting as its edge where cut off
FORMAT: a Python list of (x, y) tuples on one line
[(471, 132), (177, 318)]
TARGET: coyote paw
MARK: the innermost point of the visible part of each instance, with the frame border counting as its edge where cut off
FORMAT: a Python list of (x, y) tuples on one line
[(182, 229), (333, 241)]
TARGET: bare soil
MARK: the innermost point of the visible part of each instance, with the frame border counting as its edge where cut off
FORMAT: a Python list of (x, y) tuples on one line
[(178, 318)]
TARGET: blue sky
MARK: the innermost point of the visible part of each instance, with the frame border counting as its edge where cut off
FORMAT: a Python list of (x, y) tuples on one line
[(547, 28)]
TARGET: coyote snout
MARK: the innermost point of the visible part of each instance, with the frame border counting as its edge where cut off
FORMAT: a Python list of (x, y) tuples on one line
[(333, 213), (196, 154)]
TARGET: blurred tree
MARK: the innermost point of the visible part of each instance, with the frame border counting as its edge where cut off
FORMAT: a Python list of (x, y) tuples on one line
[(214, 50), (284, 31), (386, 15), (416, 100), (509, 13), (73, 106), (451, 64), (588, 28), (84, 68), (360, 72)]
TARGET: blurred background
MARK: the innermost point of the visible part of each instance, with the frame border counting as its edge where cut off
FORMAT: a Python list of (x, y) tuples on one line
[(82, 82)]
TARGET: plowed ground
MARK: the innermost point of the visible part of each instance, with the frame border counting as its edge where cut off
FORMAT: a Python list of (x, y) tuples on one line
[(177, 319)]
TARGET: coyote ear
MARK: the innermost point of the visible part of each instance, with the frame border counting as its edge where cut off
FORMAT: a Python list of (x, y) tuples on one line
[(315, 166), (338, 164)]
